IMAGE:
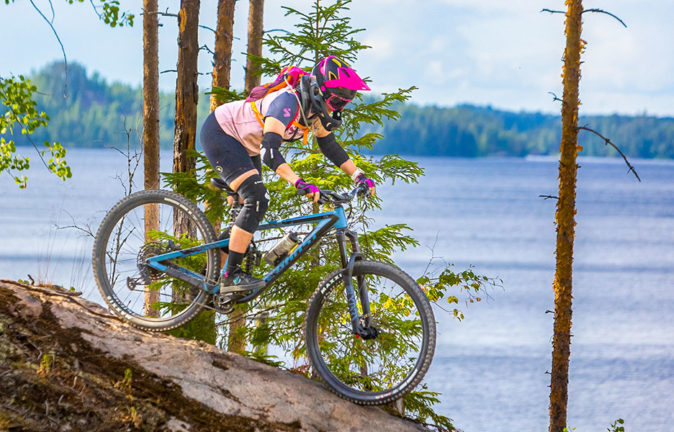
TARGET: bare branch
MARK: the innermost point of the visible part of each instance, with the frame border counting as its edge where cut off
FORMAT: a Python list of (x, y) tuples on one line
[(165, 13), (207, 49), (65, 59), (86, 229), (53, 15), (93, 6), (552, 11), (607, 13), (207, 28), (556, 98), (608, 142), (172, 15)]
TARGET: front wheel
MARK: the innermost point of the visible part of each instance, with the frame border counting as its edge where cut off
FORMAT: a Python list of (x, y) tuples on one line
[(394, 358)]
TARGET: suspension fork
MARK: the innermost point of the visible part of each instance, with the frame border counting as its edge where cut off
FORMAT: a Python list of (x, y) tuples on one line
[(348, 263)]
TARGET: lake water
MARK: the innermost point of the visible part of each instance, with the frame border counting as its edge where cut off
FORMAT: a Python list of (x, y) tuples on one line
[(491, 367)]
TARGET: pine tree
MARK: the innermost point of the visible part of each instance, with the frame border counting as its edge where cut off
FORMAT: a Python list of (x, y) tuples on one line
[(319, 33), (324, 31), (565, 219)]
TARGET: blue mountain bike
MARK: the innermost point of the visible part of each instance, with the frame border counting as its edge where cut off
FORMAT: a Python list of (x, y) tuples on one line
[(369, 328)]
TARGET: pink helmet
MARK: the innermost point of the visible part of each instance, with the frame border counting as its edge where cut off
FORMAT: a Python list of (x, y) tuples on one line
[(337, 82), (333, 85)]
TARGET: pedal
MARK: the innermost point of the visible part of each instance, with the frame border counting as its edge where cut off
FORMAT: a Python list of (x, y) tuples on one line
[(224, 303)]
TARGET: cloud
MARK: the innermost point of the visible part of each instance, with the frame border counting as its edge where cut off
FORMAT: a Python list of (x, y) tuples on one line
[(499, 52), (383, 45), (492, 5)]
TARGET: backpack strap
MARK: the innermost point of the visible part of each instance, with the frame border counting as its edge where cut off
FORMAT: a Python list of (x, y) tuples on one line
[(260, 119)]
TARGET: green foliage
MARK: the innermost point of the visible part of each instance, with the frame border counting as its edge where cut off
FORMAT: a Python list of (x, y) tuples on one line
[(470, 131), (201, 327), (617, 426), (126, 382), (196, 185), (420, 402), (94, 113), (20, 113), (468, 282), (111, 14), (227, 95), (46, 364), (321, 32)]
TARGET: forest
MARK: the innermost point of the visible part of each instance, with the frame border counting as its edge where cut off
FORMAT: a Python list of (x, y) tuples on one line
[(95, 113), (351, 317)]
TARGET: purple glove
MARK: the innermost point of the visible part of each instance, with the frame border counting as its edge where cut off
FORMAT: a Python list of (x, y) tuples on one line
[(362, 179), (305, 188)]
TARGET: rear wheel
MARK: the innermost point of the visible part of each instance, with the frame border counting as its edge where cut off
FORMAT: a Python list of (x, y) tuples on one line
[(143, 296), (393, 358)]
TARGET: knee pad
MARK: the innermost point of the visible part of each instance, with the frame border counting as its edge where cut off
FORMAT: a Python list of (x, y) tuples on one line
[(255, 203)]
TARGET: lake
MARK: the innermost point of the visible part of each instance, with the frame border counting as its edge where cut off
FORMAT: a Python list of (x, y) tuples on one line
[(492, 367)]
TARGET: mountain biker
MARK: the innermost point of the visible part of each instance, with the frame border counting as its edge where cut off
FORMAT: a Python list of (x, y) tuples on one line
[(233, 136)]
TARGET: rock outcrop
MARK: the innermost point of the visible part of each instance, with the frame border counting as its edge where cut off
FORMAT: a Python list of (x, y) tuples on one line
[(67, 364)]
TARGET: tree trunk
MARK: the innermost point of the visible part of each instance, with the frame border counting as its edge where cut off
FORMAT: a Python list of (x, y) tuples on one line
[(151, 125), (187, 95), (565, 219), (222, 59), (255, 34), (222, 64), (187, 91), (237, 320)]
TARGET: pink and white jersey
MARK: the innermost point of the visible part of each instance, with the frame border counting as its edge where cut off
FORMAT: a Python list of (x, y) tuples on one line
[(239, 121)]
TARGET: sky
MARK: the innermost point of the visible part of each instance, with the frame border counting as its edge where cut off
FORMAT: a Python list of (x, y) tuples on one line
[(503, 53)]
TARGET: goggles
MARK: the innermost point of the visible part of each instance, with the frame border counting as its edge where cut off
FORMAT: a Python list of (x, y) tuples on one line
[(337, 103)]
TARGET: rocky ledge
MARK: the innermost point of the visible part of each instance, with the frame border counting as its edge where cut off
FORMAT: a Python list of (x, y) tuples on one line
[(67, 364)]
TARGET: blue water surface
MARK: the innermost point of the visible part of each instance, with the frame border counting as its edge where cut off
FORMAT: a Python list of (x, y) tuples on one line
[(492, 367)]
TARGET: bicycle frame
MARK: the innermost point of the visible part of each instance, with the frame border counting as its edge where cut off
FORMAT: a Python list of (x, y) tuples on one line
[(324, 223)]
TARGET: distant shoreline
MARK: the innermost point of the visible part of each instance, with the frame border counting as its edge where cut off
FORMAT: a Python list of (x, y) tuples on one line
[(96, 112)]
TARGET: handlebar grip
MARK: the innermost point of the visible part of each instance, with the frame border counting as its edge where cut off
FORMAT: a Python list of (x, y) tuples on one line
[(322, 199)]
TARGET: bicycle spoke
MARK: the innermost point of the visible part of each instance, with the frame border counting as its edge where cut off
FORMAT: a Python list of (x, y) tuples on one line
[(129, 284), (384, 359)]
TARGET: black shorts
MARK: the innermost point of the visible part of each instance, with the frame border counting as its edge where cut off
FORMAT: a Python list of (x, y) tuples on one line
[(227, 155)]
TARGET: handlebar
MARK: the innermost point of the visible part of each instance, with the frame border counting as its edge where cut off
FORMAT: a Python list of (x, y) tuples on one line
[(328, 196)]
